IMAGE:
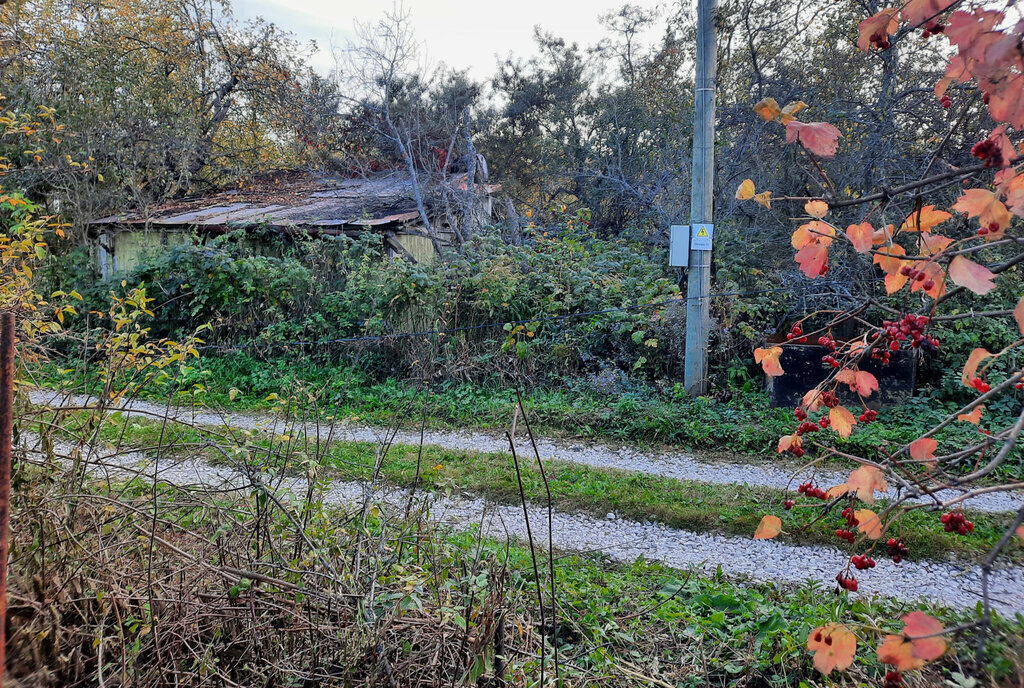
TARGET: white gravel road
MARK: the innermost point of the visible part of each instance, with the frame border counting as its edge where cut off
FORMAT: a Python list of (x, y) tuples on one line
[(948, 584), (672, 464)]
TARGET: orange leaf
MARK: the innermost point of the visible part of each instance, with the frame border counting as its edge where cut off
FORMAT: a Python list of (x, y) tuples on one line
[(1020, 533), (933, 272), (842, 421), (971, 275), (820, 138), (971, 367), (860, 381), (984, 205), (923, 632), (888, 258), (768, 108), (972, 417), (816, 208), (834, 647), (788, 442), (769, 360), (923, 450), (837, 490), (764, 198), (769, 527), (865, 480), (812, 400), (789, 112), (812, 259), (898, 651), (924, 220), (745, 191), (861, 235), (1018, 314), (933, 244), (811, 232), (868, 523), (895, 282)]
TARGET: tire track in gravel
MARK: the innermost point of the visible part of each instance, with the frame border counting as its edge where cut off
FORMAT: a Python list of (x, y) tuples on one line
[(947, 584), (670, 464)]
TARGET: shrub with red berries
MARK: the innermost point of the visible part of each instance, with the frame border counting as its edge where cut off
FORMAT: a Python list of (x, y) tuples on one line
[(908, 329), (956, 522), (846, 582), (989, 152), (897, 550)]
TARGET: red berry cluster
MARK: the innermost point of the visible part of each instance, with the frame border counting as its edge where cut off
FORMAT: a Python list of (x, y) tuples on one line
[(893, 679), (811, 491), (910, 327), (862, 562), (933, 28), (880, 40), (1019, 386), (827, 342), (868, 416), (844, 534), (918, 276), (806, 427), (956, 522), (831, 360), (897, 550), (980, 385), (797, 333), (850, 515), (800, 413), (847, 582), (788, 504), (829, 399), (989, 152), (990, 228), (946, 102)]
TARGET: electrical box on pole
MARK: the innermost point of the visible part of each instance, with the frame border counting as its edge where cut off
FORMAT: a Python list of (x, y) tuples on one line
[(698, 281)]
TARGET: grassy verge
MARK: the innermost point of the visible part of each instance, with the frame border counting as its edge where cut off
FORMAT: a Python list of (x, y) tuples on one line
[(690, 505), (741, 422)]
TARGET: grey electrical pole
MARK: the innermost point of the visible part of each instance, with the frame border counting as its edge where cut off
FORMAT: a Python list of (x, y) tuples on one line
[(698, 282)]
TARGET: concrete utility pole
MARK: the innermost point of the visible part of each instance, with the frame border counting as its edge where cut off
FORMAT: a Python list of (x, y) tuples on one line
[(698, 282)]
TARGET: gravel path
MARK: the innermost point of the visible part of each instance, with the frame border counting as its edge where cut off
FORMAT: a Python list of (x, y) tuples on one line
[(941, 583), (671, 464)]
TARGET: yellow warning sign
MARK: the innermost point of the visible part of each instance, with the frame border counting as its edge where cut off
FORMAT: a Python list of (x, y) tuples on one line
[(703, 235)]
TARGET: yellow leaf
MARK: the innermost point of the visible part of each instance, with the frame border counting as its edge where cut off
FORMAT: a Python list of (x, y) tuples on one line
[(868, 523), (790, 110), (745, 190), (841, 420), (764, 198), (769, 360), (816, 208), (768, 109), (864, 481), (769, 527)]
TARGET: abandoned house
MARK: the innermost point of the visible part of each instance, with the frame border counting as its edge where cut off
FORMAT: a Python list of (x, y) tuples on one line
[(296, 202)]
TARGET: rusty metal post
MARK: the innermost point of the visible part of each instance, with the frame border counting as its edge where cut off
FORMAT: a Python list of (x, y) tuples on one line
[(6, 440)]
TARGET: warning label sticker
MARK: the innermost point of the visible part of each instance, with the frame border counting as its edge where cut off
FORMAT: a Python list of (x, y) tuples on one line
[(702, 237)]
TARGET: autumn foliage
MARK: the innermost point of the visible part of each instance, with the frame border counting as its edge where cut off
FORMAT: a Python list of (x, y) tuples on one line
[(933, 253)]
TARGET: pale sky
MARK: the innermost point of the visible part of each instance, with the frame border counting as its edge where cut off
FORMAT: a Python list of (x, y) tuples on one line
[(460, 34)]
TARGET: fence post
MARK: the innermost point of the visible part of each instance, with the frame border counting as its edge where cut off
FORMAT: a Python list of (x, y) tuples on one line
[(6, 440)]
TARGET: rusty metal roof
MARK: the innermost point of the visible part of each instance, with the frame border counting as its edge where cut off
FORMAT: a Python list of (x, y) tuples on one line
[(293, 200)]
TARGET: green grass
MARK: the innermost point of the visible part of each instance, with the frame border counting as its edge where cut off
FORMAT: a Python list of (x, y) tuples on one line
[(689, 505), (740, 423)]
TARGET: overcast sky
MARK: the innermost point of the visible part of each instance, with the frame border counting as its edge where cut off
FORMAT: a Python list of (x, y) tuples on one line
[(460, 34)]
